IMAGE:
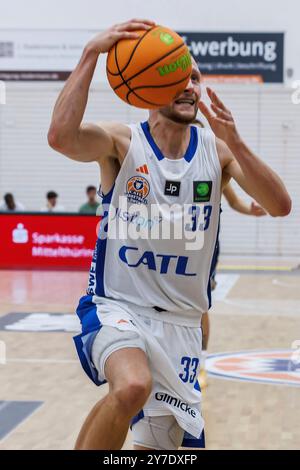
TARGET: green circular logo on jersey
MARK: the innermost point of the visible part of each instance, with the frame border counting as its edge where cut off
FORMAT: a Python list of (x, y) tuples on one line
[(166, 38), (202, 189)]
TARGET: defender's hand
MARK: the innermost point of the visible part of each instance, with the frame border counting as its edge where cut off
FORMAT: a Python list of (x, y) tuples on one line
[(104, 41), (222, 122)]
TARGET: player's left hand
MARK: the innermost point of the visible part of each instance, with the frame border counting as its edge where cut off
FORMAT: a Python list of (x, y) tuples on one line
[(257, 210), (221, 122)]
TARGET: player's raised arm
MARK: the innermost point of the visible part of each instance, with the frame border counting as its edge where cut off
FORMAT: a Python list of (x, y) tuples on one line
[(239, 162), (67, 134)]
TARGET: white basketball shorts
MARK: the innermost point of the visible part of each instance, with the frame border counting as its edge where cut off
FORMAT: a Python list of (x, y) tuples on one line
[(173, 352)]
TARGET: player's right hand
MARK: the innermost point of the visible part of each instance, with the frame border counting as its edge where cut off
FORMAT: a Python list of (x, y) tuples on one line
[(104, 41)]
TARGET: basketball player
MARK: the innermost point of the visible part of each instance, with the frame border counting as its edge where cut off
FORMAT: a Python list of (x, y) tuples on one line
[(141, 318)]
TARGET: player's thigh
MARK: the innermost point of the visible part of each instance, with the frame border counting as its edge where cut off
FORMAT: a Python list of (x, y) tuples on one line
[(127, 364), (119, 355)]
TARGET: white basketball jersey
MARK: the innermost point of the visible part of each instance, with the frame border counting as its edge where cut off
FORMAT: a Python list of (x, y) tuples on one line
[(140, 255)]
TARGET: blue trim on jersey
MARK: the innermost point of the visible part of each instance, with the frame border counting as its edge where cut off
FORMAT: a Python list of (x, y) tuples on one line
[(213, 261), (190, 152), (101, 246), (191, 441), (216, 253), (91, 325), (156, 150), (197, 386), (137, 418)]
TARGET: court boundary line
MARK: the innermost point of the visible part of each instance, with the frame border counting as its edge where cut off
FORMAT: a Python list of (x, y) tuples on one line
[(41, 403)]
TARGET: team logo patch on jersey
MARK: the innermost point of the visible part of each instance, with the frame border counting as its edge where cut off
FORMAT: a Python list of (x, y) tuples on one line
[(138, 189), (143, 169), (202, 191), (278, 367), (172, 188)]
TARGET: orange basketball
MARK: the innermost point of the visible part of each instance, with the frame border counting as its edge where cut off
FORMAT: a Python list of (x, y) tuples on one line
[(148, 72)]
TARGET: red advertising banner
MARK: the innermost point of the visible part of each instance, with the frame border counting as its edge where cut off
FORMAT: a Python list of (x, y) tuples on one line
[(35, 241)]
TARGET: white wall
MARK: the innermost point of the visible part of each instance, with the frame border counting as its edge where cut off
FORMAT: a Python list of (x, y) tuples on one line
[(213, 15)]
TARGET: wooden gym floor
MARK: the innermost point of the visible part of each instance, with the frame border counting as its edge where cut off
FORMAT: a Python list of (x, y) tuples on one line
[(253, 310)]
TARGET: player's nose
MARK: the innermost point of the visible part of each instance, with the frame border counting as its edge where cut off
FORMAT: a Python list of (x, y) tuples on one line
[(189, 87)]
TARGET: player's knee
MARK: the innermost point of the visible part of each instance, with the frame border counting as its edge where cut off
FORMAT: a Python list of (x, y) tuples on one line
[(133, 394)]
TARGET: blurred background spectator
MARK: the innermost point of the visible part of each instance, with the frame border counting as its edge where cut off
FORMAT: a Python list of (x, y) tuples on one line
[(52, 205), (91, 206), (10, 205)]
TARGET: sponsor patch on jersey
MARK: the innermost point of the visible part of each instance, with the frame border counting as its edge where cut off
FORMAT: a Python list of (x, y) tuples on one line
[(137, 190), (172, 188), (202, 191), (278, 367), (156, 262)]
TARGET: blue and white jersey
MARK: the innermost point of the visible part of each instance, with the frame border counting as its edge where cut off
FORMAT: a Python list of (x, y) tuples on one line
[(141, 256)]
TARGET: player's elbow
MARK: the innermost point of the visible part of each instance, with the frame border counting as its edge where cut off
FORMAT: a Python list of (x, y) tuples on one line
[(55, 138), (60, 141), (286, 207), (283, 209)]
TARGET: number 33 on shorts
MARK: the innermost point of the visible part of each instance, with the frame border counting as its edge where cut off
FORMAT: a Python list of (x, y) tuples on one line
[(190, 366)]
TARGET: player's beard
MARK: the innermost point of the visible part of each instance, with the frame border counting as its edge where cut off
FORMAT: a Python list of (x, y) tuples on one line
[(175, 116)]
